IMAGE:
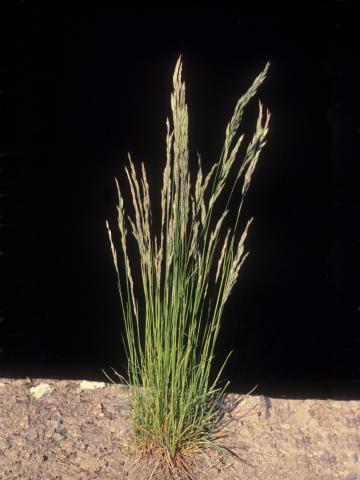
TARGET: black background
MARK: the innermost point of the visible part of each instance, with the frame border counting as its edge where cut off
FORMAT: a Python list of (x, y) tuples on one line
[(79, 89)]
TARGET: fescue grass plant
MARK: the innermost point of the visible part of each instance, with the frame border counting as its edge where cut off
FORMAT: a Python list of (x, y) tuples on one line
[(170, 345)]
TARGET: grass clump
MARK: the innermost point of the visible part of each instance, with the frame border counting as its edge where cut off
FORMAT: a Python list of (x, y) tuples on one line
[(170, 345)]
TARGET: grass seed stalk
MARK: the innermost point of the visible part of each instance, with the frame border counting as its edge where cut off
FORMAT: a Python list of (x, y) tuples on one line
[(170, 344)]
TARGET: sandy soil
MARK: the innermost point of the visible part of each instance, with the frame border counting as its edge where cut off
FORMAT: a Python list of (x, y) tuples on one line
[(59, 429)]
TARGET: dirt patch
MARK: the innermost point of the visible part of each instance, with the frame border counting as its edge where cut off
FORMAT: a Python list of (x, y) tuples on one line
[(60, 431)]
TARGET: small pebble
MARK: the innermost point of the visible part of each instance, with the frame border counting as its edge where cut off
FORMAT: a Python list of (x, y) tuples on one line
[(86, 385), (56, 424), (4, 445), (57, 437), (31, 435), (43, 411), (351, 476), (40, 390)]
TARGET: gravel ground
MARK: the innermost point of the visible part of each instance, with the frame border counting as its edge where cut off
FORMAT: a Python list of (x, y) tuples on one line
[(68, 429)]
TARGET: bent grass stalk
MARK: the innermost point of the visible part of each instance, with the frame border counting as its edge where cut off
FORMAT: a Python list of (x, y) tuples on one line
[(170, 346)]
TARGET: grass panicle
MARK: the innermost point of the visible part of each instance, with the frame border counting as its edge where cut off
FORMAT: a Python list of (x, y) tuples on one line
[(170, 345)]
